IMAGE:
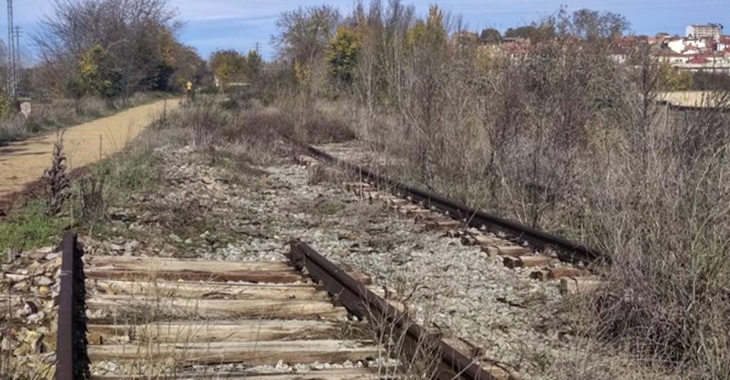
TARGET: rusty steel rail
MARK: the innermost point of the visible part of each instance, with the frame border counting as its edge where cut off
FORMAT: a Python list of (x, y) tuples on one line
[(363, 303), (565, 249), (72, 359)]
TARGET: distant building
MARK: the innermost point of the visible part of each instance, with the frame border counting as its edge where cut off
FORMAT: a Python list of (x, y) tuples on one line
[(704, 31), (671, 57), (619, 53), (698, 60), (466, 38), (681, 45)]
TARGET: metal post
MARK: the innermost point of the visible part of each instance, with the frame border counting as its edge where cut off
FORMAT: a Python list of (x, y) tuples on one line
[(17, 66), (11, 51)]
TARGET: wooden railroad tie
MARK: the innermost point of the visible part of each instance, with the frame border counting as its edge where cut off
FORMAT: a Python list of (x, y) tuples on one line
[(581, 285), (527, 261), (558, 273), (305, 160)]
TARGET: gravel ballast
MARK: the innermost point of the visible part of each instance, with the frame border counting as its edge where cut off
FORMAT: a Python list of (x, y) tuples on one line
[(213, 213)]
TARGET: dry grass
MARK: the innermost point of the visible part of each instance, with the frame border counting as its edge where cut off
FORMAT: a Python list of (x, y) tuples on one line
[(254, 135), (566, 140)]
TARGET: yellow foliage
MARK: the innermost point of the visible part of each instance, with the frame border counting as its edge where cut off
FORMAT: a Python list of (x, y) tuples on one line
[(89, 68), (343, 55), (97, 75), (673, 79), (431, 32), (487, 57), (228, 65), (167, 49), (302, 72)]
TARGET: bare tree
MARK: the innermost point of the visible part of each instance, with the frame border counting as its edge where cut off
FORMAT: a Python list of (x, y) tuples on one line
[(558, 135), (305, 33), (133, 33), (591, 25)]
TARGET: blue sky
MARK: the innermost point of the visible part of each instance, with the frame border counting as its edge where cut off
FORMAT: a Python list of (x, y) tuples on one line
[(240, 24)]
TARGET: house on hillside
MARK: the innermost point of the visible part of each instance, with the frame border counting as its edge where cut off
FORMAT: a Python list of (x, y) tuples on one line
[(713, 31), (671, 57), (680, 45), (619, 54), (720, 46), (465, 37), (690, 51), (698, 60), (720, 57), (515, 46)]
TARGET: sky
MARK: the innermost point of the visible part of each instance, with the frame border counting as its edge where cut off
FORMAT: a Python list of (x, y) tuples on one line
[(241, 24)]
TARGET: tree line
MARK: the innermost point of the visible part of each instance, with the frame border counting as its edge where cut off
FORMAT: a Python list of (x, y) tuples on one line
[(559, 136), (111, 49), (320, 44)]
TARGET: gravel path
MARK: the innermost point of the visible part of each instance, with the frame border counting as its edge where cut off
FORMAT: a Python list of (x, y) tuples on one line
[(23, 162)]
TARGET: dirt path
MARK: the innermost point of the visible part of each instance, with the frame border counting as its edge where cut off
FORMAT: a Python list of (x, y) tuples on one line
[(23, 162), (688, 98)]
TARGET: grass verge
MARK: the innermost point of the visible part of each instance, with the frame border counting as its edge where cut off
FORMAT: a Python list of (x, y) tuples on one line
[(28, 227), (64, 113)]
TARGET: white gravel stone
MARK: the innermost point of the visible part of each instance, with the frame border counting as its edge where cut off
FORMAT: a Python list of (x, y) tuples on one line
[(514, 318)]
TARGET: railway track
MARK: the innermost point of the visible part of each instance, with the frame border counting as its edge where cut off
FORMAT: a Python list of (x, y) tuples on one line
[(163, 318), (549, 257), (305, 318)]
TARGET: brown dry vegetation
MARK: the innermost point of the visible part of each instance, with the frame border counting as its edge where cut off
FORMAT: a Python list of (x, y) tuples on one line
[(255, 135), (563, 139)]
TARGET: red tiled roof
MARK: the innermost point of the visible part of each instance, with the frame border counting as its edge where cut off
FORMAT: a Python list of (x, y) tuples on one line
[(668, 53)]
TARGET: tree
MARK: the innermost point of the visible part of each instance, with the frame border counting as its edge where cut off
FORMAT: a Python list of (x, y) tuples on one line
[(228, 66), (520, 32), (98, 75), (189, 66), (303, 42), (490, 36), (535, 32), (673, 79), (138, 37), (343, 56), (431, 32), (592, 25), (254, 65), (305, 34)]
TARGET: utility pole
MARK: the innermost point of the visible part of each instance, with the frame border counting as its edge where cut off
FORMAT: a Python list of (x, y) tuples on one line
[(17, 66), (258, 48), (11, 51)]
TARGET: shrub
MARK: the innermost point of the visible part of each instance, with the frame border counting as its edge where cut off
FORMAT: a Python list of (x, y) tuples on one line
[(57, 181), (561, 137)]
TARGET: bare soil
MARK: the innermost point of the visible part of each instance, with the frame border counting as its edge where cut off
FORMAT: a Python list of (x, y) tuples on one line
[(23, 162)]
